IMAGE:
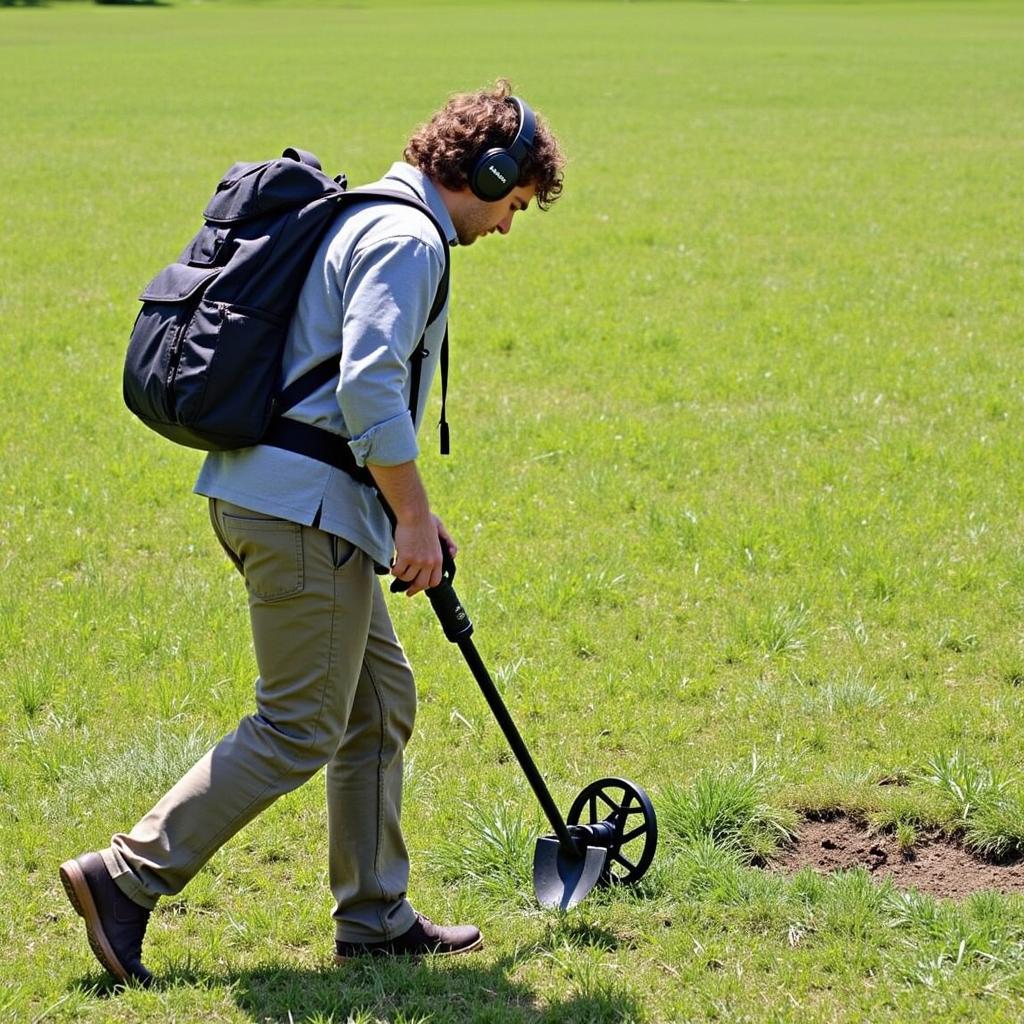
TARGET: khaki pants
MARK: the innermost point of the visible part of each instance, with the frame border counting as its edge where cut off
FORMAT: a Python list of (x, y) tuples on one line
[(334, 690)]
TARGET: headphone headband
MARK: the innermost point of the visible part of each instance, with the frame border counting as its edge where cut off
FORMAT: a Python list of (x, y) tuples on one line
[(524, 135), (497, 172)]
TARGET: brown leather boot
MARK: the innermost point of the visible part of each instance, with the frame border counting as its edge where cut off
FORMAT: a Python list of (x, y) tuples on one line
[(114, 923), (424, 937)]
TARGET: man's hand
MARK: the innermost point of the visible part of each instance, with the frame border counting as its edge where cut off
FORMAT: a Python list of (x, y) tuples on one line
[(419, 534), (417, 555), (414, 558)]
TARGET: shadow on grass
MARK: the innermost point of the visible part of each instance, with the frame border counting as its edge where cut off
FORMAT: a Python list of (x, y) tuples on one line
[(438, 990)]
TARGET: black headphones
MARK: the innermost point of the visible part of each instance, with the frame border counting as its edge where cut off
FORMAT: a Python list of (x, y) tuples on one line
[(497, 172)]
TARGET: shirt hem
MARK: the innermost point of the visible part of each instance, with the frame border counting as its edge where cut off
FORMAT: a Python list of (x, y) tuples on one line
[(273, 507)]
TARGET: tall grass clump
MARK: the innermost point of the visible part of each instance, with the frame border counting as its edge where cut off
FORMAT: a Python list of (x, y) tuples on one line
[(847, 695), (785, 630), (492, 850), (996, 829), (34, 691), (730, 809), (986, 808), (966, 783)]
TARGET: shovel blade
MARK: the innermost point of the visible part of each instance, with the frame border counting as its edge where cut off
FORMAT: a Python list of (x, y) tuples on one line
[(561, 879)]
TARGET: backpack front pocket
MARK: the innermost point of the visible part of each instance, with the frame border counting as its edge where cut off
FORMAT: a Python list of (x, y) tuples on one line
[(229, 370)]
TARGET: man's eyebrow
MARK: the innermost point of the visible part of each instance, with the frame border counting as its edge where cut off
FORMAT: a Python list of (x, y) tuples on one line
[(522, 205)]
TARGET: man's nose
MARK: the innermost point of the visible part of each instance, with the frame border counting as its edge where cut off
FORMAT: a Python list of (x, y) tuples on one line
[(504, 226)]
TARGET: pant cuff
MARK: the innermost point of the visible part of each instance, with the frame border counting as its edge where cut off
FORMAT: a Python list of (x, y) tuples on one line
[(399, 921), (126, 881)]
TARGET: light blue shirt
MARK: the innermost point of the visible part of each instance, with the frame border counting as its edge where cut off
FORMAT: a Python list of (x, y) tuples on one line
[(366, 298)]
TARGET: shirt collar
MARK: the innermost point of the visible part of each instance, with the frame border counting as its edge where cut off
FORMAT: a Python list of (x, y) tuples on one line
[(423, 188)]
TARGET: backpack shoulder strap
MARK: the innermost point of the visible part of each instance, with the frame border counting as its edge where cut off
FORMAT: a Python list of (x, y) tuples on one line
[(420, 353), (313, 379), (393, 195)]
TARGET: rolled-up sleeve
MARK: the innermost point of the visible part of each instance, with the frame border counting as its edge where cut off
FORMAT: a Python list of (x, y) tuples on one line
[(388, 293)]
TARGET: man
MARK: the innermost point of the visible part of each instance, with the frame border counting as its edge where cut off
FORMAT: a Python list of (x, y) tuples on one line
[(334, 687)]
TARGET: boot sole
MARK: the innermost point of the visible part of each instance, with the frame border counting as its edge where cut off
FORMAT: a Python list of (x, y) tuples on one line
[(80, 895), (339, 959)]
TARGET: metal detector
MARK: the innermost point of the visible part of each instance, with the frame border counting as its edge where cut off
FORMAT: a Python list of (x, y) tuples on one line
[(611, 831)]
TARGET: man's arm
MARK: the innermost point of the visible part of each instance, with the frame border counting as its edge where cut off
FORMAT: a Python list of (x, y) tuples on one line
[(388, 292), (388, 289), (418, 532)]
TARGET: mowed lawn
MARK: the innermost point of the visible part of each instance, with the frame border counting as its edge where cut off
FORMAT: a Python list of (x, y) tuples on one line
[(736, 475)]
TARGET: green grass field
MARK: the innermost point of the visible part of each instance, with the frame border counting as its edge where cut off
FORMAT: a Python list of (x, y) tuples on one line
[(735, 472)]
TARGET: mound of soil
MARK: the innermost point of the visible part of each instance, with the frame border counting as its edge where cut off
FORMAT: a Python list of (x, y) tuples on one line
[(937, 864)]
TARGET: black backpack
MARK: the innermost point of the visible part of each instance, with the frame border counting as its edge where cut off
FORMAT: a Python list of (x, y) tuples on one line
[(203, 366)]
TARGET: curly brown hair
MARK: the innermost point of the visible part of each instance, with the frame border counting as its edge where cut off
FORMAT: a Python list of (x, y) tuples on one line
[(447, 147)]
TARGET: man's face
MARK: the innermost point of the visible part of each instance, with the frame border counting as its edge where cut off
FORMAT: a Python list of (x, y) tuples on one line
[(478, 218)]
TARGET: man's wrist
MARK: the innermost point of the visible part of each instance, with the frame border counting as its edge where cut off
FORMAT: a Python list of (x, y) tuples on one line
[(412, 515), (404, 492)]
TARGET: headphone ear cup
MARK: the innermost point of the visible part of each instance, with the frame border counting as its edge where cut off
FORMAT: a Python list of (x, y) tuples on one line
[(494, 176)]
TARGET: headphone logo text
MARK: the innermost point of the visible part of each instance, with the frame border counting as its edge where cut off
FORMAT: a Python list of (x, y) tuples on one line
[(501, 177)]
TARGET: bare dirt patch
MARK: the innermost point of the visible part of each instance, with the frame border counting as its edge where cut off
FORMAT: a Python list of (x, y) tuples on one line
[(937, 865)]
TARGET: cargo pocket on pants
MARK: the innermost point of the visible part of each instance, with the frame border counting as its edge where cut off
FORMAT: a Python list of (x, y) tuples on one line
[(270, 553)]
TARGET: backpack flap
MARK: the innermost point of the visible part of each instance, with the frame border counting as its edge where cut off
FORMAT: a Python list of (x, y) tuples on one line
[(178, 283)]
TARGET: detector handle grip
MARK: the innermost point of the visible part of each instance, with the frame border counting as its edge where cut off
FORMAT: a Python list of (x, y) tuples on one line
[(445, 602), (447, 573)]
